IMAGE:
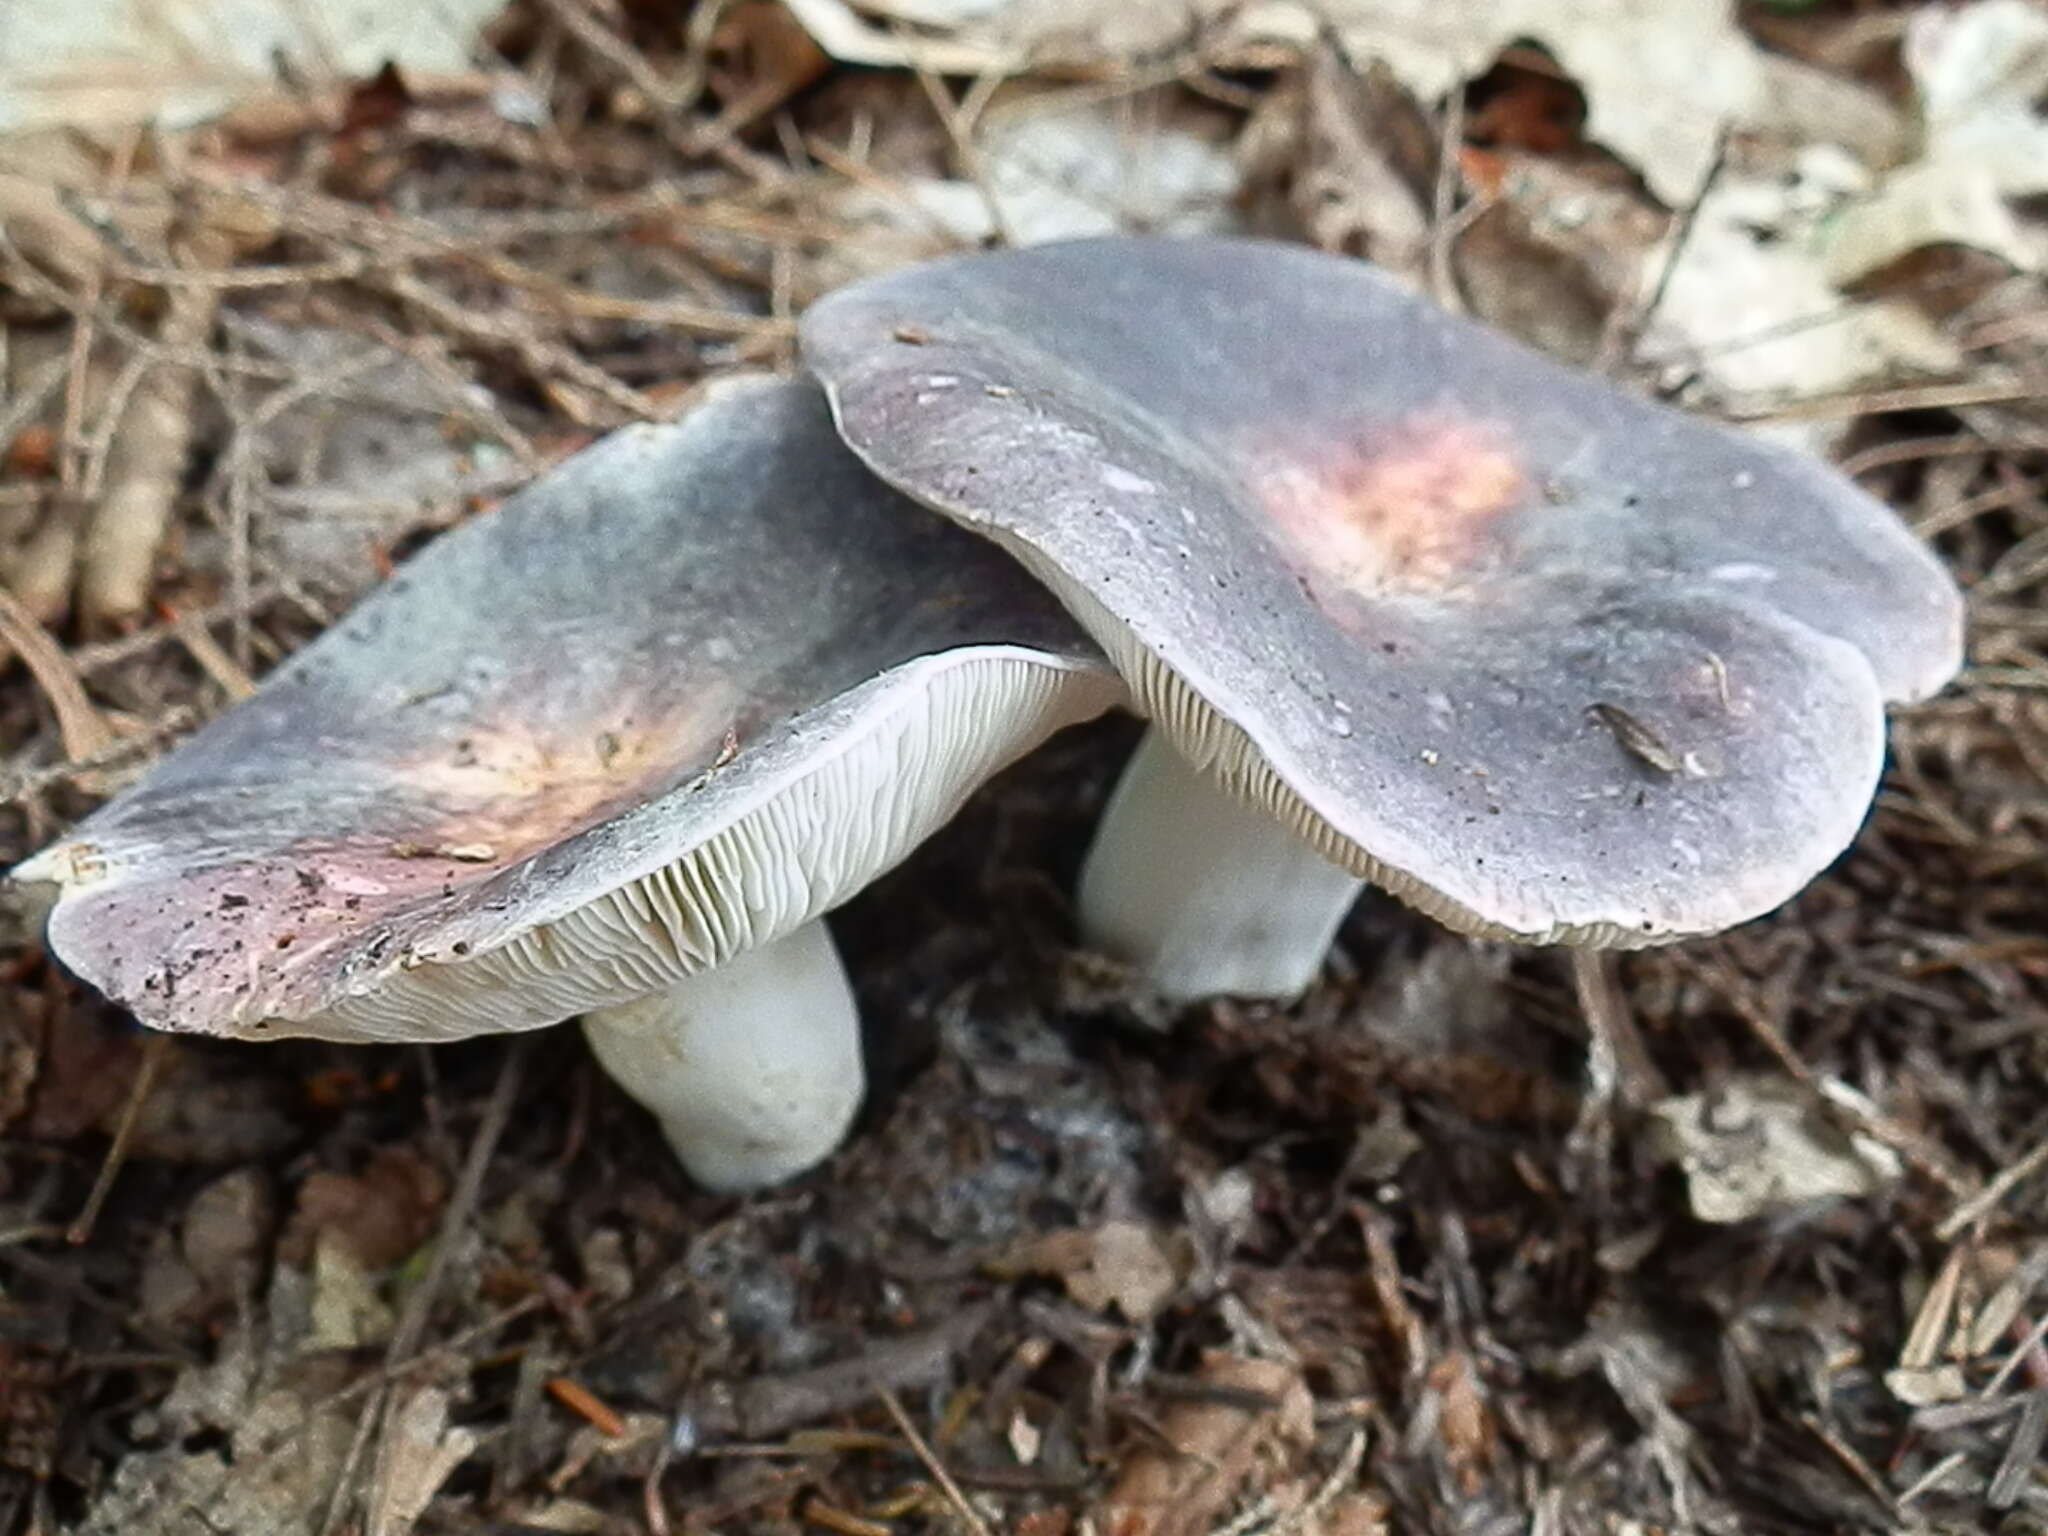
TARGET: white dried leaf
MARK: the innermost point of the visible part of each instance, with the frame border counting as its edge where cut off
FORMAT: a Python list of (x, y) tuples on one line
[(1978, 72), (1756, 1146), (1750, 305), (101, 63), (572, 1517), (1025, 1438), (273, 1476), (1659, 79), (1064, 174), (1923, 1388), (1051, 171), (347, 1312), (420, 1453), (1802, 104)]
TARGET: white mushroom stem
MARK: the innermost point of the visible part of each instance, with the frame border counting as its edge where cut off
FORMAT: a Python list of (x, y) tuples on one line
[(753, 1068), (1207, 896)]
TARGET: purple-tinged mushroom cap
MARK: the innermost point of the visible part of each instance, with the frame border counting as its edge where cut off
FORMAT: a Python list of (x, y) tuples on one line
[(660, 711), (1547, 660)]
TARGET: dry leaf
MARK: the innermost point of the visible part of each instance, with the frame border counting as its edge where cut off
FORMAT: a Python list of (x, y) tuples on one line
[(269, 1460), (380, 1215), (1560, 249), (101, 63), (1936, 1384), (1050, 170), (34, 218), (347, 1312), (1119, 1264), (420, 1453), (1659, 80), (1757, 1145), (1978, 72), (1216, 1445), (1750, 305), (1360, 176)]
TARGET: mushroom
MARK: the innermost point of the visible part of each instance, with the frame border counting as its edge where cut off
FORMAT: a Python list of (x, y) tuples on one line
[(1406, 602), (611, 751)]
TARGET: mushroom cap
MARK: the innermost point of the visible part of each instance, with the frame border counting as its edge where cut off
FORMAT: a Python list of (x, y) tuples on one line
[(688, 690), (1548, 660)]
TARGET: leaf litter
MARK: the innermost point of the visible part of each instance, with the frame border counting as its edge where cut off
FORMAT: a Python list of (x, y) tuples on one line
[(1409, 1256)]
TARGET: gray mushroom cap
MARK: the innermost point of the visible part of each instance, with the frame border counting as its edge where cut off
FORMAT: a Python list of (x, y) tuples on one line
[(690, 689), (1546, 659)]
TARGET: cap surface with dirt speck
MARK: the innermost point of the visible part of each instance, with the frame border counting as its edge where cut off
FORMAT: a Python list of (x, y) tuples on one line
[(1546, 659), (689, 690)]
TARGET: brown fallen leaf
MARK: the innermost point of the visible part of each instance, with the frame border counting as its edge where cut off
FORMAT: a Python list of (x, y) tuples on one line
[(1121, 1264), (380, 1215), (1362, 163), (1216, 1444)]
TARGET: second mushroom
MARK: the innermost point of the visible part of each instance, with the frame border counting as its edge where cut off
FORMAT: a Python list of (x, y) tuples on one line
[(1405, 601)]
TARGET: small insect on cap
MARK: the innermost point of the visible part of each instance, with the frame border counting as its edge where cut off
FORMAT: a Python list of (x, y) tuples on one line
[(1547, 660), (685, 693)]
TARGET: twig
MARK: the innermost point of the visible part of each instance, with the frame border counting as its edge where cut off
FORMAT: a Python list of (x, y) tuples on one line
[(543, 358), (961, 133), (587, 1405), (83, 333), (1442, 231), (483, 414), (99, 656), (154, 1054), (1981, 1204), (232, 678), (146, 461), (882, 184), (1857, 1467), (44, 567), (1910, 450), (770, 1405), (1877, 402), (2022, 1453), (18, 786), (390, 1375), (1913, 1147), (1607, 1016), (241, 512), (110, 405), (26, 404), (419, 1305), (2012, 1362), (933, 1465), (1932, 1477), (84, 733), (652, 1506), (1626, 326), (247, 279), (663, 95)]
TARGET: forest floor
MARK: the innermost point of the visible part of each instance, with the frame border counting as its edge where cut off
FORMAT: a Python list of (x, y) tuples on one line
[(1749, 1234)]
